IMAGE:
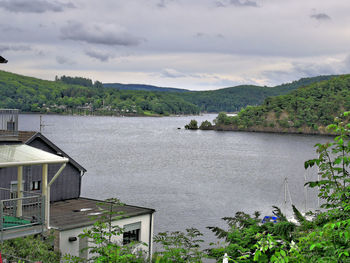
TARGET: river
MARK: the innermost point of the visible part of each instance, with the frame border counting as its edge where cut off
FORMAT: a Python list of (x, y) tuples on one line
[(191, 178)]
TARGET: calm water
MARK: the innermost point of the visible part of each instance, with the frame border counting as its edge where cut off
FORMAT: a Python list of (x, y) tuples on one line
[(191, 178)]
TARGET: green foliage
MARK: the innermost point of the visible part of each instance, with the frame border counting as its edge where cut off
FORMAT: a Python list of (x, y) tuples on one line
[(333, 164), (33, 248), (193, 125), (75, 95), (179, 247), (309, 108), (206, 125)]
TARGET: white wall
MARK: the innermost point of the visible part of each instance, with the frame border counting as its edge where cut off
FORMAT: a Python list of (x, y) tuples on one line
[(72, 248)]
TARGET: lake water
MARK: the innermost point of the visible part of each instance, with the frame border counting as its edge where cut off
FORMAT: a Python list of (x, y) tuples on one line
[(191, 178)]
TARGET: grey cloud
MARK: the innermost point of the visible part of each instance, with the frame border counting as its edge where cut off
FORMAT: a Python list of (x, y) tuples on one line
[(172, 73), (164, 3), (63, 60), (347, 62), (321, 16), (14, 48), (237, 3), (202, 35), (103, 57), (8, 28), (98, 34), (312, 69), (303, 70), (34, 6), (199, 34), (243, 3)]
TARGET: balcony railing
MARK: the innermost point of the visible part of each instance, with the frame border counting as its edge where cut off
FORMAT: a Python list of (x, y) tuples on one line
[(22, 216)]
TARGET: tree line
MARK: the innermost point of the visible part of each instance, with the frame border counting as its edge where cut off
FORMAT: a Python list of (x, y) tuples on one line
[(306, 109), (78, 95)]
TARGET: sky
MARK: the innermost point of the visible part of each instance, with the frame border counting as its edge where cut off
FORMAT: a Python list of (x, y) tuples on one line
[(191, 44)]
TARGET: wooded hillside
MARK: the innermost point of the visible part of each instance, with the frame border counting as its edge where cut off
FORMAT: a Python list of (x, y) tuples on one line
[(306, 110)]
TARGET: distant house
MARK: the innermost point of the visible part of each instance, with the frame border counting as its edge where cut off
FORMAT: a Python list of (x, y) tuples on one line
[(23, 158)]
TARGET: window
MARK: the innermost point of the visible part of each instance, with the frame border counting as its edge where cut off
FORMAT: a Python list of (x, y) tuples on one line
[(11, 126), (131, 233), (36, 185), (13, 189), (130, 236)]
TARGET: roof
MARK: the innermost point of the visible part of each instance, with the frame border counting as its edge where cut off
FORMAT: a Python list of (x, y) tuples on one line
[(24, 136), (20, 154), (77, 213), (28, 136)]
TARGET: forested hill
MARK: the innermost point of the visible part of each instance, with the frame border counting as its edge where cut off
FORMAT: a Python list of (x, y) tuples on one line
[(76, 95), (305, 110), (235, 98), (141, 87)]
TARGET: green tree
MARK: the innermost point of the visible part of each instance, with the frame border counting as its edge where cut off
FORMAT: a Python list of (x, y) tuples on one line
[(193, 125), (34, 248), (179, 247)]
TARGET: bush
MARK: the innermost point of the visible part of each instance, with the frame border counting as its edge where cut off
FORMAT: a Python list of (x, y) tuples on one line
[(193, 125), (206, 125)]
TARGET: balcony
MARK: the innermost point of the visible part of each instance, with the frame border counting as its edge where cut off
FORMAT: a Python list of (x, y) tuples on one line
[(21, 216)]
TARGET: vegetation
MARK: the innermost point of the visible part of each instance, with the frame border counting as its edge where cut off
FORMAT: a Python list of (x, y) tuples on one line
[(76, 95), (206, 125), (305, 110), (141, 87), (30, 248), (179, 247), (82, 96), (235, 98), (193, 125)]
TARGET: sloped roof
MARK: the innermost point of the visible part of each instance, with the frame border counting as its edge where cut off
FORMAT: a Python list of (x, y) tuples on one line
[(21, 154), (24, 136), (27, 137)]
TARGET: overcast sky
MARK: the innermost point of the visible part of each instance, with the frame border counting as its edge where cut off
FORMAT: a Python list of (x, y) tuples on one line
[(193, 44)]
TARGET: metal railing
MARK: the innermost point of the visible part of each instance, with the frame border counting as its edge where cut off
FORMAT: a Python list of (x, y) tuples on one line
[(21, 213), (6, 193)]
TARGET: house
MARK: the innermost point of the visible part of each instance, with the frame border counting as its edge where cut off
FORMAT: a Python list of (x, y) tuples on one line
[(40, 187)]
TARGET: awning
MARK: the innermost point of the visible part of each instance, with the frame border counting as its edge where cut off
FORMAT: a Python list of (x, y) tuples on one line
[(21, 154)]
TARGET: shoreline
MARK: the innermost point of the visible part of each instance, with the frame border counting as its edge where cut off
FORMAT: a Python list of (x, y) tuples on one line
[(228, 128)]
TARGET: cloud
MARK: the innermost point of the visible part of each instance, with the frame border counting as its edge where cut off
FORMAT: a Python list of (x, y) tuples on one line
[(172, 73), (9, 28), (321, 16), (103, 57), (14, 48), (64, 61), (34, 6), (99, 34), (237, 3), (199, 35), (164, 3)]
